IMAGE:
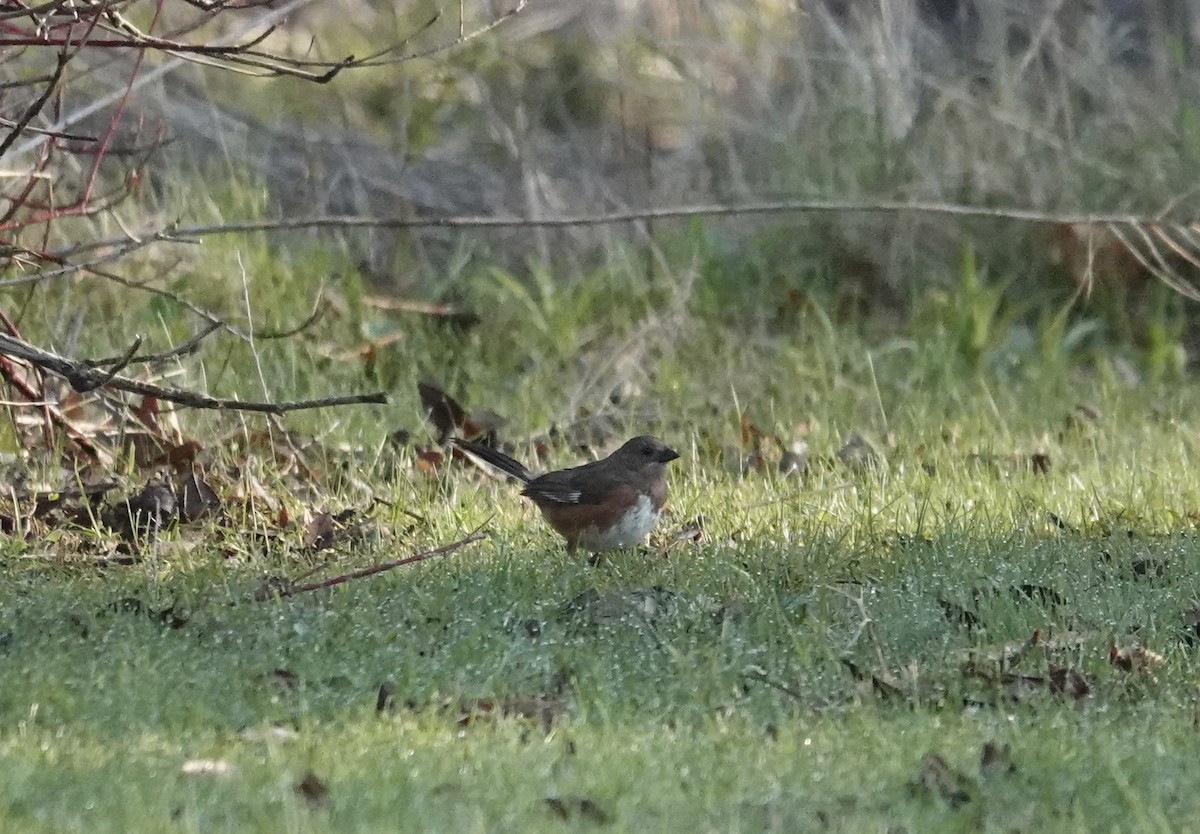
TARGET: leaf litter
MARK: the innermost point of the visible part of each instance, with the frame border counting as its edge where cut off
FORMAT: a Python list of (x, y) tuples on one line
[(228, 506)]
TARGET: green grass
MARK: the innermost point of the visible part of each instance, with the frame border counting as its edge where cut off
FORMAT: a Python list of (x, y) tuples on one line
[(667, 723), (796, 670), (790, 672)]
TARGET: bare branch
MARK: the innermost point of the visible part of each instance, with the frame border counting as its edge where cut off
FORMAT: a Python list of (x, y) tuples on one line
[(83, 377), (468, 36), (661, 213)]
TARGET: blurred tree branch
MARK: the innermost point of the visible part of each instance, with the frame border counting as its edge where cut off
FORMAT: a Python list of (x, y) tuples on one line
[(54, 174)]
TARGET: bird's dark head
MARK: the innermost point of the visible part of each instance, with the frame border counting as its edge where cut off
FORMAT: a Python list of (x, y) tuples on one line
[(642, 451)]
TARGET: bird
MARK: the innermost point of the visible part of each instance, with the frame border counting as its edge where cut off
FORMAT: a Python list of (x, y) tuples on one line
[(608, 504)]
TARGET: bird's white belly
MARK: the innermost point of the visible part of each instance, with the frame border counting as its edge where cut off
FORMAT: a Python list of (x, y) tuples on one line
[(629, 531)]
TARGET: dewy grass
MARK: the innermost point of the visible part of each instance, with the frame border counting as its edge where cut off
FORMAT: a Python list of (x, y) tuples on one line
[(918, 642), (843, 649)]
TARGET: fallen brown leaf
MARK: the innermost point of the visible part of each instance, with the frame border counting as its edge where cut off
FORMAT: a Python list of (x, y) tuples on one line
[(178, 455), (314, 790), (857, 452), (1068, 682), (429, 461), (320, 531), (144, 513), (794, 461), (995, 760), (565, 807), (282, 679), (195, 497), (385, 700), (1135, 658), (442, 410)]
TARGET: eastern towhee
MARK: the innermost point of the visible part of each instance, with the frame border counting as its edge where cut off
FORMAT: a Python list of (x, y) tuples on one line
[(604, 505)]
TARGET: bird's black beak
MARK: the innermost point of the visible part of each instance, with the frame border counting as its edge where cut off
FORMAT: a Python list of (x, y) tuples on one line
[(667, 455)]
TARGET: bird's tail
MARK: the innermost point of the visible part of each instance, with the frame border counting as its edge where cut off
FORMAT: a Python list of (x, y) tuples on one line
[(493, 458)]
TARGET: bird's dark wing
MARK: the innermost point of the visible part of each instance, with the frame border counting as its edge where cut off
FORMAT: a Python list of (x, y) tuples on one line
[(589, 484)]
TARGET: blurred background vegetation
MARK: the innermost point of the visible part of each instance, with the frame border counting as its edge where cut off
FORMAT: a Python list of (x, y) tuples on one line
[(575, 108)]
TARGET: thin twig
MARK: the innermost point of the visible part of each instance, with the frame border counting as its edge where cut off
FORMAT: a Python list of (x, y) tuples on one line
[(469, 36), (222, 53), (317, 310), (756, 673), (210, 318), (34, 108), (289, 590), (121, 364), (184, 349), (52, 413)]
